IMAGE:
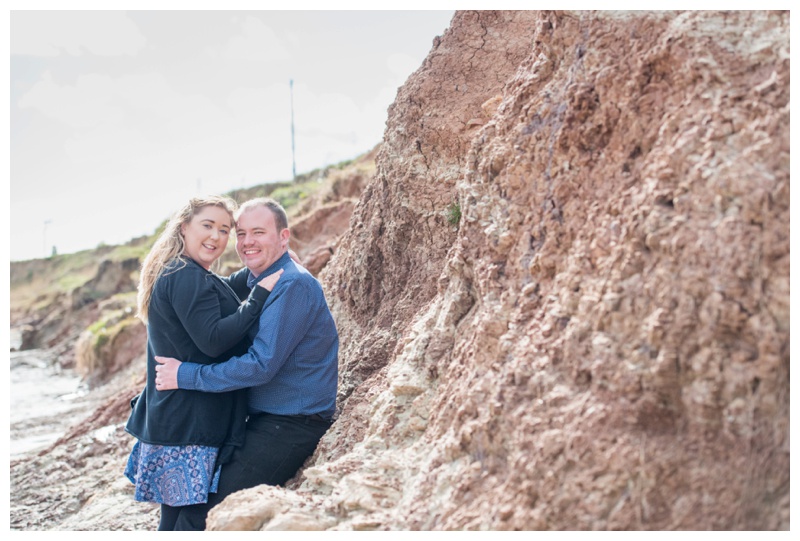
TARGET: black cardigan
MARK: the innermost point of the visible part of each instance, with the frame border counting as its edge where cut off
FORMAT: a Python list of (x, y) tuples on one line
[(194, 316)]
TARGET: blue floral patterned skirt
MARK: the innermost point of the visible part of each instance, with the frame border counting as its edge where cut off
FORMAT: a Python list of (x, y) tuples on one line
[(173, 475)]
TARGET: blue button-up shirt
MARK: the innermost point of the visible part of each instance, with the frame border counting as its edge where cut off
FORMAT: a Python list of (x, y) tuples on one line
[(292, 366)]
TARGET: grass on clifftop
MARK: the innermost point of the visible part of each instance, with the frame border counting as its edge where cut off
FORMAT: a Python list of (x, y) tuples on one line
[(36, 283)]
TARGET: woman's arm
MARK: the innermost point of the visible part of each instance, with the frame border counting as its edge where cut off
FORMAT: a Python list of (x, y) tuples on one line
[(238, 282), (194, 299), (238, 279)]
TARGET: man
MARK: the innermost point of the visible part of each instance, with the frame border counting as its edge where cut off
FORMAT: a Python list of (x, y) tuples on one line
[(291, 369)]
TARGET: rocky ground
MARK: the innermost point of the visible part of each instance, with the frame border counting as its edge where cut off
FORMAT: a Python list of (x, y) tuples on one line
[(68, 451)]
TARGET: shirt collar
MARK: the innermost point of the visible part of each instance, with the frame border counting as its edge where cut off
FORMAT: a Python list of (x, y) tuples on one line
[(279, 263)]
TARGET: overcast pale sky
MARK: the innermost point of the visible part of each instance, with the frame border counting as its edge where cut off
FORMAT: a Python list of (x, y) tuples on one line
[(118, 117)]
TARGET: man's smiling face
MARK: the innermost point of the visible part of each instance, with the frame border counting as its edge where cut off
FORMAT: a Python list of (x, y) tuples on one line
[(259, 243)]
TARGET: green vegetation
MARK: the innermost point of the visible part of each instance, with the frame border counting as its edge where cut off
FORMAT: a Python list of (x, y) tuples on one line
[(344, 163), (120, 314), (95, 349), (289, 196), (454, 213), (122, 306), (37, 283), (128, 251), (68, 282), (261, 190)]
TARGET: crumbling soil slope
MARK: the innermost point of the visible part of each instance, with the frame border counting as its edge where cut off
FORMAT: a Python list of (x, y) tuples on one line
[(564, 297)]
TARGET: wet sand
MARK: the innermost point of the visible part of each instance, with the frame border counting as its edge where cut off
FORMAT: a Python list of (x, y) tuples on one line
[(44, 402)]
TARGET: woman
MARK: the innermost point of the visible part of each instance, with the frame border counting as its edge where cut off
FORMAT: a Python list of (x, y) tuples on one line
[(190, 312)]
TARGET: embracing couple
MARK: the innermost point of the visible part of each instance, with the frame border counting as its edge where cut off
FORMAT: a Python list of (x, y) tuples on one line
[(241, 370)]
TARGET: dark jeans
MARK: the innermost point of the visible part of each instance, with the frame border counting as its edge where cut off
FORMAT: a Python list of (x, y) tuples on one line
[(169, 516), (275, 447)]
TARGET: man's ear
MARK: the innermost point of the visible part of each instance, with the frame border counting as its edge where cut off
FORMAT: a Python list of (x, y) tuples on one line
[(285, 234)]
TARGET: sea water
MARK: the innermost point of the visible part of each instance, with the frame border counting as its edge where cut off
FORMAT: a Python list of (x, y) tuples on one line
[(45, 401)]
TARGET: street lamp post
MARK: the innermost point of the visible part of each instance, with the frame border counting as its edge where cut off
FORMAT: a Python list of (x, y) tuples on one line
[(44, 236), (291, 105)]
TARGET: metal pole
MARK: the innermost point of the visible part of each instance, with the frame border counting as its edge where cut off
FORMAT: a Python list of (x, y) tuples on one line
[(44, 236), (291, 102)]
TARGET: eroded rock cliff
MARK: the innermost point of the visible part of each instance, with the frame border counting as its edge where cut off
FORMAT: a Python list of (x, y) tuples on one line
[(563, 297), (600, 339)]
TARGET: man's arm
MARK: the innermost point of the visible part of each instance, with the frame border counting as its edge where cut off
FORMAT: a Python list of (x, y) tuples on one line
[(284, 322)]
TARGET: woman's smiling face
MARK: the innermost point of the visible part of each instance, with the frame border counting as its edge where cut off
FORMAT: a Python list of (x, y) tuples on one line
[(206, 235)]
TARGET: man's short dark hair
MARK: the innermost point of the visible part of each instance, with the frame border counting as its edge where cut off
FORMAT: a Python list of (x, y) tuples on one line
[(281, 221)]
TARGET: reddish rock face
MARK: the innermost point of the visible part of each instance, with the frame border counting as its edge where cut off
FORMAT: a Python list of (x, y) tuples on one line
[(602, 340), (314, 235), (320, 220), (563, 296)]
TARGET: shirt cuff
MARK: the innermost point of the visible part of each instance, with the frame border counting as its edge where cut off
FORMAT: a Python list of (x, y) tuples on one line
[(187, 374), (259, 294)]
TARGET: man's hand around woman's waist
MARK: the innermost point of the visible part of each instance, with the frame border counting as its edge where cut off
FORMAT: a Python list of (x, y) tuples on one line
[(167, 372)]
